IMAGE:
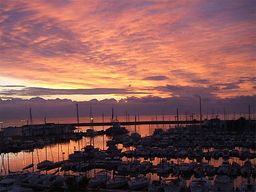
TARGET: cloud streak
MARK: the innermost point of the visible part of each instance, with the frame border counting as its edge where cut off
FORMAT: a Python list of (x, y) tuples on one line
[(144, 44), (38, 91)]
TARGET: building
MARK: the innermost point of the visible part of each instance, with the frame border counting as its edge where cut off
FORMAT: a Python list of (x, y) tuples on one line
[(214, 123), (37, 130), (46, 129), (11, 132)]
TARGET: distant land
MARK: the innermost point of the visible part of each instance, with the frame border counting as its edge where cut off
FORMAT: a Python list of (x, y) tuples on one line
[(14, 108)]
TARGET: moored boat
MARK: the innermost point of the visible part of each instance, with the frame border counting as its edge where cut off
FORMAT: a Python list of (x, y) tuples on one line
[(117, 182), (138, 183), (223, 183), (200, 185)]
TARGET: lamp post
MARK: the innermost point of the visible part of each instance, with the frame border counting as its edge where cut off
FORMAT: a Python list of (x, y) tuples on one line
[(23, 122), (1, 123), (200, 109)]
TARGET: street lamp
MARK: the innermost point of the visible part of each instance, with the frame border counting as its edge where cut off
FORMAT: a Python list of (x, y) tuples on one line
[(2, 123), (23, 121)]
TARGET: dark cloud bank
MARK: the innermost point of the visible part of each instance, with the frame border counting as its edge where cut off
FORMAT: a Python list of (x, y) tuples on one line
[(18, 108), (39, 91)]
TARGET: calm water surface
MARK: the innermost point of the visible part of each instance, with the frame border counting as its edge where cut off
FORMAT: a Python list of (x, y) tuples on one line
[(58, 152)]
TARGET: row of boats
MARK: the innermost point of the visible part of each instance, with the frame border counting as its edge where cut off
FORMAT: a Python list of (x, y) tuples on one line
[(191, 137), (36, 181), (187, 170), (29, 182), (184, 153), (113, 159), (83, 163), (191, 153), (142, 183)]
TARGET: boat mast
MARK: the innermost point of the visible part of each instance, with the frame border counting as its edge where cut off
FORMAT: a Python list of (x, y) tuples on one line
[(30, 116), (77, 113), (112, 117), (249, 111), (32, 160), (45, 121), (200, 110), (103, 119), (46, 153), (38, 160), (8, 163), (77, 118), (135, 118), (58, 156), (177, 111), (249, 118), (91, 121)]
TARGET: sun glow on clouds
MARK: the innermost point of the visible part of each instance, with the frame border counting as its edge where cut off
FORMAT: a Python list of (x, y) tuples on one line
[(134, 45)]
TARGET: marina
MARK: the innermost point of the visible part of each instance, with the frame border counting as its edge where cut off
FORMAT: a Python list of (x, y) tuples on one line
[(127, 96), (181, 157)]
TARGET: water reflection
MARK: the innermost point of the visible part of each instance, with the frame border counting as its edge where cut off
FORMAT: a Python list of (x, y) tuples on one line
[(58, 152)]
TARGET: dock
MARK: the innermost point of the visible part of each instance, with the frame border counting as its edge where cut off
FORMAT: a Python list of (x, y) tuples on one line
[(133, 123)]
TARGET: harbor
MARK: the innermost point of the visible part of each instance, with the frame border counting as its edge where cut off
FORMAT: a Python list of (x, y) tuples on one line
[(181, 157), (127, 96)]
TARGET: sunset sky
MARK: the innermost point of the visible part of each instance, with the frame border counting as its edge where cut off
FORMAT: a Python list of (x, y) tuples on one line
[(98, 49)]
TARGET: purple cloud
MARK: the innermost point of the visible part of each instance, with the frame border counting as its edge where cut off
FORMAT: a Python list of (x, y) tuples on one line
[(38, 91), (156, 78)]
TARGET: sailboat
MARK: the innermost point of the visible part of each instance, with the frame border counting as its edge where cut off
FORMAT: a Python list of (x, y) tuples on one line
[(138, 183), (46, 164), (223, 183), (117, 182), (200, 185), (99, 180), (30, 165)]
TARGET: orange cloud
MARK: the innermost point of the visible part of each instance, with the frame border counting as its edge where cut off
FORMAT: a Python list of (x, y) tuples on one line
[(117, 44)]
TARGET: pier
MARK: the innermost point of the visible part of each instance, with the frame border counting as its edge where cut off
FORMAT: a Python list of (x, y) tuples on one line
[(135, 123), (152, 122)]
